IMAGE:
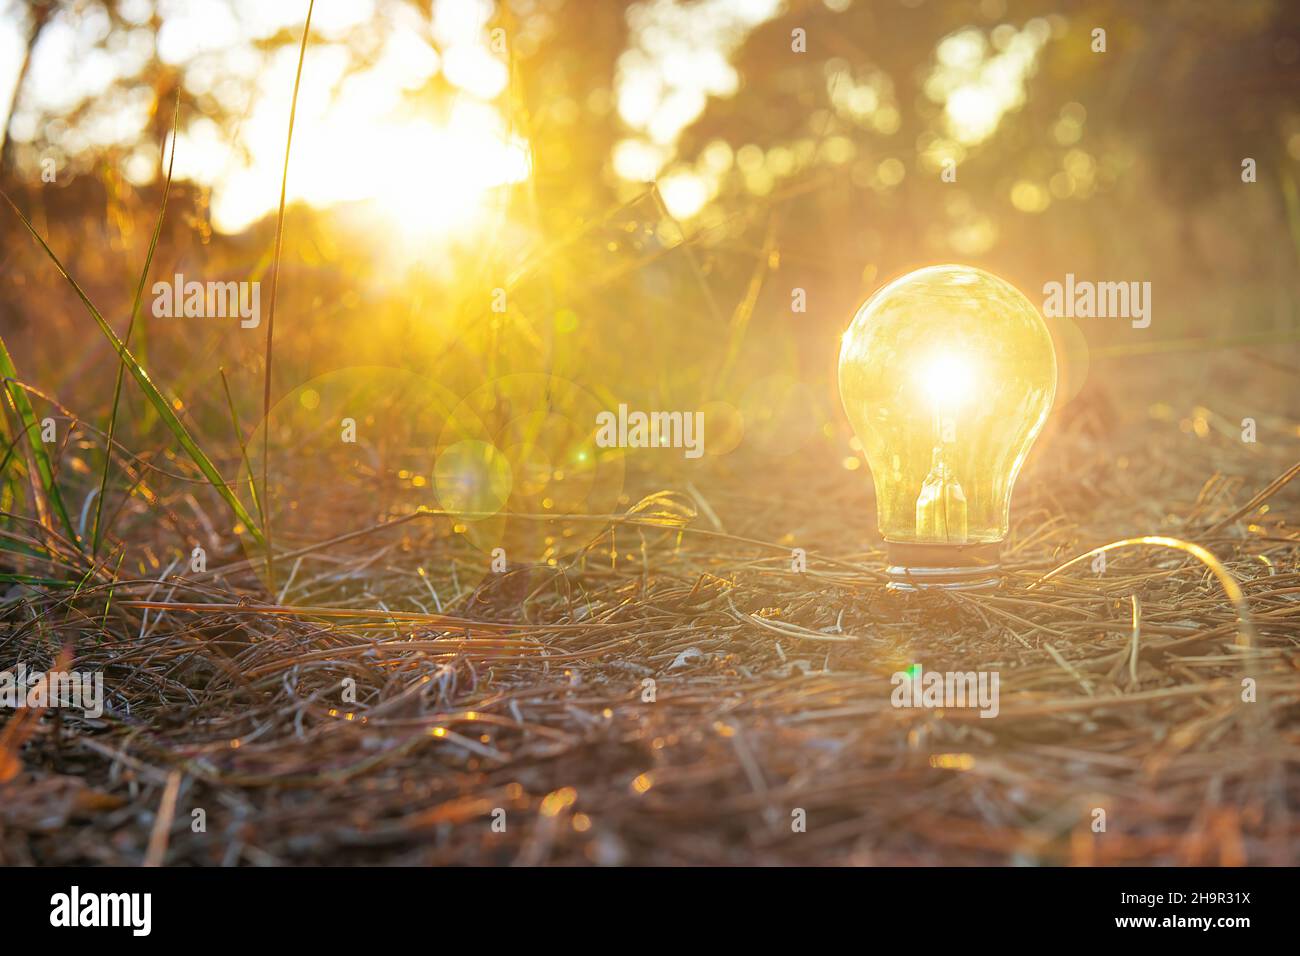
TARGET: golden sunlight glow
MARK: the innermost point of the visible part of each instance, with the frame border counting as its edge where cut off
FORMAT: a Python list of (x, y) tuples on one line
[(979, 85), (684, 193), (946, 380), (678, 57), (455, 167), (372, 135), (427, 177)]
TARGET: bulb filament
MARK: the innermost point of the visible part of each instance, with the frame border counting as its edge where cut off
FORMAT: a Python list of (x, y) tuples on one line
[(941, 506)]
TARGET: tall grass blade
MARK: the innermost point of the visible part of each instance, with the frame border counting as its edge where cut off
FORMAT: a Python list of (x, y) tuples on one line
[(151, 392), (130, 327), (275, 282), (22, 407), (243, 448)]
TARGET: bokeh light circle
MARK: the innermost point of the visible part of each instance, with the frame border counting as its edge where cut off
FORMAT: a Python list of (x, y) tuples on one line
[(352, 483), (563, 484)]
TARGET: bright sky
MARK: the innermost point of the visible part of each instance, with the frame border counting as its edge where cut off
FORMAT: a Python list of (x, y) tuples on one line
[(354, 139), (434, 171)]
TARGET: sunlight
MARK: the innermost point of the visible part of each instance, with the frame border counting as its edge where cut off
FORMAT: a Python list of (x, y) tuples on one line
[(979, 85), (679, 56), (460, 164), (372, 136), (428, 176)]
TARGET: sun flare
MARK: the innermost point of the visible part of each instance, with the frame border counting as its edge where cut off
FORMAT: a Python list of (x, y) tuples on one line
[(422, 137)]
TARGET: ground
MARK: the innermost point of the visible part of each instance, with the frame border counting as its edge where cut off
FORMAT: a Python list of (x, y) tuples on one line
[(698, 700)]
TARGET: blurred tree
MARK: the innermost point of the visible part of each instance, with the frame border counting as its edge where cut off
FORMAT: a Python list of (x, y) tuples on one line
[(39, 13), (97, 26), (1058, 153)]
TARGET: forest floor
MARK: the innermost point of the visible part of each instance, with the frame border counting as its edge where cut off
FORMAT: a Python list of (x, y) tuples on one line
[(697, 699)]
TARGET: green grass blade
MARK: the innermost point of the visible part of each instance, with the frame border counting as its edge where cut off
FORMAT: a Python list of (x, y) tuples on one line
[(22, 407), (42, 582), (126, 339), (151, 392), (12, 445), (275, 284), (108, 603), (243, 448)]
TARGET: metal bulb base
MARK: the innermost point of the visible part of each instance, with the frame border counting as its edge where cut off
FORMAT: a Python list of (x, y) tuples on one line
[(923, 567)]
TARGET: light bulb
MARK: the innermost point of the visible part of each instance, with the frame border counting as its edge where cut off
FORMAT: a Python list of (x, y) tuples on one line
[(947, 376)]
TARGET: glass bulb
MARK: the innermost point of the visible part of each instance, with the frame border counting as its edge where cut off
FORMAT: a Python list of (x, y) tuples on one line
[(947, 376)]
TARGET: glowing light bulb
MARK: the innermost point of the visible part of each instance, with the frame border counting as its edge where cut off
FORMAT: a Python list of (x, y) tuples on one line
[(947, 376)]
